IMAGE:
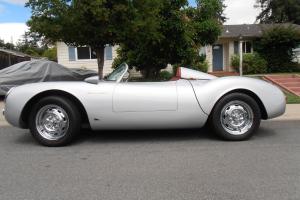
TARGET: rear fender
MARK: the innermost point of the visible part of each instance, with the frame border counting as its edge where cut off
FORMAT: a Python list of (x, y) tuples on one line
[(210, 92)]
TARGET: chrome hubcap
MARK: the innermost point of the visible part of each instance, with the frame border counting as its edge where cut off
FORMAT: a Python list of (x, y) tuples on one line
[(52, 122), (237, 117)]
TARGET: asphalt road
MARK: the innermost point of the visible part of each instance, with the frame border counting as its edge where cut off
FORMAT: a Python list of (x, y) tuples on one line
[(153, 165)]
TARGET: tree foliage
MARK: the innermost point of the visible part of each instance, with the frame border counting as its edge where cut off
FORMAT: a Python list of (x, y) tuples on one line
[(81, 22), (6, 45), (279, 11), (276, 46), (32, 45), (172, 34)]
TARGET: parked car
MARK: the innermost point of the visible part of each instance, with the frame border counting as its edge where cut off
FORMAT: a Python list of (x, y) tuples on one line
[(55, 112), (39, 71)]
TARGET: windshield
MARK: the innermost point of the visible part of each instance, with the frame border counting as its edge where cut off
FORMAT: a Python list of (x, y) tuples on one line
[(117, 73)]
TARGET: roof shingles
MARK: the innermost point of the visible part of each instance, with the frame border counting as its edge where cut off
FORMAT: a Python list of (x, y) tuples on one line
[(249, 30)]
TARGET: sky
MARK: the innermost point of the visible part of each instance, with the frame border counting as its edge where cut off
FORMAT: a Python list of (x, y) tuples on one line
[(13, 16)]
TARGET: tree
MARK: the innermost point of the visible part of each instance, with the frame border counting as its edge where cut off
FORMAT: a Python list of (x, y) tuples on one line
[(7, 45), (31, 44), (276, 46), (279, 11), (94, 23), (171, 34), (50, 53)]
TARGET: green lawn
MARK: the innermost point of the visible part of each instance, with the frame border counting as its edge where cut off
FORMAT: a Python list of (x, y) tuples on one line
[(291, 98)]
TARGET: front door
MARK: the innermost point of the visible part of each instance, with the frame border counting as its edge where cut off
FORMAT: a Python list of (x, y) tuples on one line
[(218, 57)]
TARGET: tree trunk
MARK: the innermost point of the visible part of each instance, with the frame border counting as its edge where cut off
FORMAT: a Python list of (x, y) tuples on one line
[(100, 60)]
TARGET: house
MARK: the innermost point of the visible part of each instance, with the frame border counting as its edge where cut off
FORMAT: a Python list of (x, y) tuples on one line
[(218, 55), (10, 57), (232, 38), (84, 57)]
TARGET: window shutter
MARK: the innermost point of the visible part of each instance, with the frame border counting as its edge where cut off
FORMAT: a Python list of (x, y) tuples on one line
[(236, 47), (72, 56), (108, 53)]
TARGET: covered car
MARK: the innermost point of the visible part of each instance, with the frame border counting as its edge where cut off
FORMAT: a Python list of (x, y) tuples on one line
[(39, 71)]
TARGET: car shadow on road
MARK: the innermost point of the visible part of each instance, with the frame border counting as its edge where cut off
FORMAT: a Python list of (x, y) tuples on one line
[(202, 134), (264, 133), (147, 135), (88, 136)]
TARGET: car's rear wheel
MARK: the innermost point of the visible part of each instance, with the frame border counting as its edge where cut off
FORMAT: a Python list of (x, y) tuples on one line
[(54, 121), (235, 117)]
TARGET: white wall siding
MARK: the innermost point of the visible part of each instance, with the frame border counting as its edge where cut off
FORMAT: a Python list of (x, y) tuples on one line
[(63, 59)]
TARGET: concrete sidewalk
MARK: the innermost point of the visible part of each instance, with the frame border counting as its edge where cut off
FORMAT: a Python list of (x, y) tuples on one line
[(292, 113)]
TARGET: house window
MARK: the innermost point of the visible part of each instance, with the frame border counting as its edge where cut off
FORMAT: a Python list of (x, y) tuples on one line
[(87, 53), (247, 47), (83, 53), (108, 53), (72, 54), (93, 54), (236, 47)]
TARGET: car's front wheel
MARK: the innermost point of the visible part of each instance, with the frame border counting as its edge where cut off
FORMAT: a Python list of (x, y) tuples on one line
[(235, 117), (54, 121)]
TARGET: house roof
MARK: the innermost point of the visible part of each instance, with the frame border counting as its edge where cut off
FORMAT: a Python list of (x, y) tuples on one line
[(15, 53), (249, 30)]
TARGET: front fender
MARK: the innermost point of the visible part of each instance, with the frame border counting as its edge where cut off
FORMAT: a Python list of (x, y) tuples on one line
[(20, 96), (210, 92)]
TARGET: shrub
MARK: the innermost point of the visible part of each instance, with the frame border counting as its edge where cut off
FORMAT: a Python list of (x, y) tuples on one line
[(276, 46), (201, 66), (252, 63), (235, 62), (165, 76)]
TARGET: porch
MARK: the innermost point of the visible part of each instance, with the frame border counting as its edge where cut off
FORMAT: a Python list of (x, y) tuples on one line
[(219, 55)]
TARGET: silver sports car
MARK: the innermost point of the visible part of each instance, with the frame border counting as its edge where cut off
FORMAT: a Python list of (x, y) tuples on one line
[(56, 111)]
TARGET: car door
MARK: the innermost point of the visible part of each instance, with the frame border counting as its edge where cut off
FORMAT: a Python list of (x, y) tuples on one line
[(145, 105), (145, 97)]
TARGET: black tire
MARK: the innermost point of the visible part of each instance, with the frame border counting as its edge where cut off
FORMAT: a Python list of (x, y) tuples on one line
[(215, 120), (73, 116)]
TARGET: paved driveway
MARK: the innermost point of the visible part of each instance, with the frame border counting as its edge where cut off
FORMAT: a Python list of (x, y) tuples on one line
[(188, 164)]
